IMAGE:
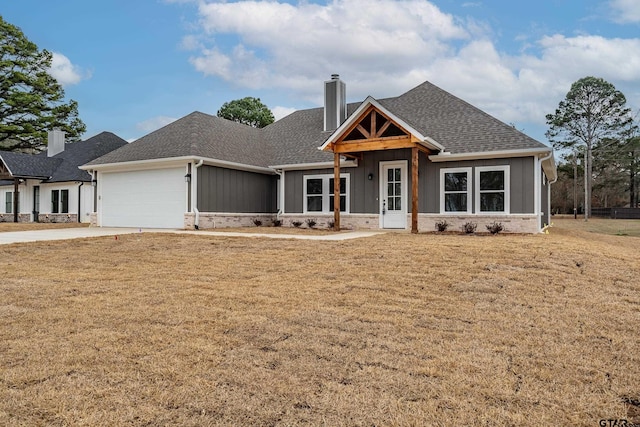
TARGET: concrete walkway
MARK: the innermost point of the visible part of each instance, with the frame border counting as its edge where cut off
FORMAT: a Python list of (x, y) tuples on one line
[(79, 233)]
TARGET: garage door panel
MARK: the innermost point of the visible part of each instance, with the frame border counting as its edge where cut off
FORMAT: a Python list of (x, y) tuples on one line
[(150, 199)]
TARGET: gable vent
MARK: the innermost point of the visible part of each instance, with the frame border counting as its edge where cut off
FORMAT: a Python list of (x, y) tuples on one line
[(335, 103)]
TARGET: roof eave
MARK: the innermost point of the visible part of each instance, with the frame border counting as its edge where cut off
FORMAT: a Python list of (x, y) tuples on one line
[(501, 154), (172, 161), (318, 165)]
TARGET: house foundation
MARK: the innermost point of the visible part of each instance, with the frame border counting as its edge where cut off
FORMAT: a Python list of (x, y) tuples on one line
[(426, 222), (58, 218)]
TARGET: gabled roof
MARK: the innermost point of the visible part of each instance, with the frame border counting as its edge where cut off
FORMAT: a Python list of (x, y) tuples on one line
[(21, 165), (79, 153), (196, 135), (444, 121), (64, 165), (455, 124), (371, 102)]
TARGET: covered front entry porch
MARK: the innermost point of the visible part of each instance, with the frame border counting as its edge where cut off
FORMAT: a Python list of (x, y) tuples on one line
[(372, 128)]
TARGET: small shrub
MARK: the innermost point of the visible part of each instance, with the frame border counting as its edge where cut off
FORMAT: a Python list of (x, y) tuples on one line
[(277, 222), (296, 224), (469, 227), (311, 222), (331, 224), (442, 225), (257, 222), (495, 227)]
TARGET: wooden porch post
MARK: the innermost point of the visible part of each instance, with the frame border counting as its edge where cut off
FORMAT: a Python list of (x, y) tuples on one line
[(336, 191), (414, 189), (16, 199)]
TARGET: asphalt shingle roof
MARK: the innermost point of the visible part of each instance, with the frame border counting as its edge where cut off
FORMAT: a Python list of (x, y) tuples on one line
[(294, 139), (196, 134), (23, 165), (64, 165), (78, 153), (457, 125)]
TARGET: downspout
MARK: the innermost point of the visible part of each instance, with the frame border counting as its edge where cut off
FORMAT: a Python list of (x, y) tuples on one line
[(547, 158), (94, 184), (280, 173), (544, 229), (194, 200), (79, 198)]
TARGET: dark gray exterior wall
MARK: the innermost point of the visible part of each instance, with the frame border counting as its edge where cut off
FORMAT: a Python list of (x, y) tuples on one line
[(293, 187), (364, 193), (521, 184), (231, 190)]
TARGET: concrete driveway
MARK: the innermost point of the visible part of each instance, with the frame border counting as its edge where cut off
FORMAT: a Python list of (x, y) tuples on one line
[(79, 233)]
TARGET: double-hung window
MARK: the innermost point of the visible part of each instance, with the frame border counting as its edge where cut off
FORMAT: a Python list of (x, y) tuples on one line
[(8, 206), (59, 201), (492, 189), (318, 193), (455, 190)]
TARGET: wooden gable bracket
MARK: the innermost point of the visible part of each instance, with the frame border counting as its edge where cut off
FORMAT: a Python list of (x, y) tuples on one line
[(365, 135), (354, 156)]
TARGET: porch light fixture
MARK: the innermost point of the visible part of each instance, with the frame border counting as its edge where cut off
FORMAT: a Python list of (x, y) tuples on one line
[(187, 178), (94, 182), (370, 176)]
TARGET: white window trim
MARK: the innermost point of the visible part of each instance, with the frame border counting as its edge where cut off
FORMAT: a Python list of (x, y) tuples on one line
[(8, 197), (507, 193), (442, 192), (326, 193)]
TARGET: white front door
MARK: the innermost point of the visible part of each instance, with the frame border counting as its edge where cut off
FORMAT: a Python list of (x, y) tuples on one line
[(393, 194)]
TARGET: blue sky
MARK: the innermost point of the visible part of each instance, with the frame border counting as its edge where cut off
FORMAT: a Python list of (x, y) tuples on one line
[(134, 66)]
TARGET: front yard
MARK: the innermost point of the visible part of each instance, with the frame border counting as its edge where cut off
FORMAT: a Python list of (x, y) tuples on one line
[(397, 329)]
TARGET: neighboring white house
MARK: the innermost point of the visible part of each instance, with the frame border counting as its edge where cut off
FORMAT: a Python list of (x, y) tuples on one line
[(49, 186)]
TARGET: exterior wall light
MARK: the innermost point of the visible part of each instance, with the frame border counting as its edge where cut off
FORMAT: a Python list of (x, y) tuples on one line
[(370, 176), (187, 178)]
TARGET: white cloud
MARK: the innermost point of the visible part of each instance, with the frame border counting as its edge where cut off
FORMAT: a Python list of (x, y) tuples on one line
[(284, 45), (155, 123), (191, 42), (625, 11), (280, 112), (384, 47), (64, 71)]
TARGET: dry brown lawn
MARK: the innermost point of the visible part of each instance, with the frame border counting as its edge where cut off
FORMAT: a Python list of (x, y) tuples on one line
[(27, 226), (396, 329)]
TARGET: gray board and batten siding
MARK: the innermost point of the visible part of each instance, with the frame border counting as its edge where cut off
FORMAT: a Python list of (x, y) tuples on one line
[(232, 190), (364, 194)]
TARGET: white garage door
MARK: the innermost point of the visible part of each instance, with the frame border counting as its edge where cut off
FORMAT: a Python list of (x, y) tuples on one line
[(150, 199)]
